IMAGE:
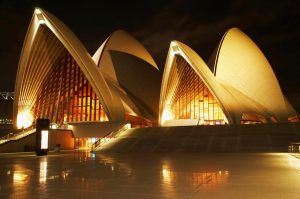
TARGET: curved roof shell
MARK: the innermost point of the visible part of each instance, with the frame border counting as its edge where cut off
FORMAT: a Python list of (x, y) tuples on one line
[(38, 55), (240, 64), (127, 81), (41, 50), (199, 66), (243, 81), (124, 62)]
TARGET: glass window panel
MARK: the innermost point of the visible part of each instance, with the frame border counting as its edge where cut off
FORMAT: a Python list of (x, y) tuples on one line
[(187, 96)]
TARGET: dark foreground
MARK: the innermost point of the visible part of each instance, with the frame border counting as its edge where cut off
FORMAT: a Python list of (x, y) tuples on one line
[(86, 175)]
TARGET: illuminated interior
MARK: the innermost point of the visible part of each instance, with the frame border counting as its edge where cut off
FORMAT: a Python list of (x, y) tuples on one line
[(85, 143), (293, 119), (65, 94), (189, 98), (58, 79), (248, 118)]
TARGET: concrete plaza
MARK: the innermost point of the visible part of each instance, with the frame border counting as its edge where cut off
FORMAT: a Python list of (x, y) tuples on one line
[(80, 174)]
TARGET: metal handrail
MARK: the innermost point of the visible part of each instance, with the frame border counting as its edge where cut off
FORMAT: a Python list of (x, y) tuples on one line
[(17, 136), (294, 147), (109, 136)]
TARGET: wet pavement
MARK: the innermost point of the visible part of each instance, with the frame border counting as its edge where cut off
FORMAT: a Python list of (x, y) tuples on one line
[(86, 175)]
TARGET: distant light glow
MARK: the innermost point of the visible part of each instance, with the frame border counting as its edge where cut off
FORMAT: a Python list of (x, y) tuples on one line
[(54, 126), (166, 115), (38, 11), (24, 119), (128, 126), (44, 139)]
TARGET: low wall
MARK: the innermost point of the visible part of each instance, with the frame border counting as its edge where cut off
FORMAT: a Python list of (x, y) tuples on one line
[(94, 129), (223, 138), (63, 137), (25, 144)]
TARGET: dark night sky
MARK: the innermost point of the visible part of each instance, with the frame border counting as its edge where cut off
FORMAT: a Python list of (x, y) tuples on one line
[(272, 24)]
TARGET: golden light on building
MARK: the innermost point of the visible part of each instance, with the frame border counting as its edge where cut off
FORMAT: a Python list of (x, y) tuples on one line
[(237, 86), (62, 82), (166, 115), (186, 98), (190, 97), (59, 80), (24, 119)]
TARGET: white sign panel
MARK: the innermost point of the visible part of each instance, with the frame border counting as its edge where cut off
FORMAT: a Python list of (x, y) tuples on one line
[(44, 139)]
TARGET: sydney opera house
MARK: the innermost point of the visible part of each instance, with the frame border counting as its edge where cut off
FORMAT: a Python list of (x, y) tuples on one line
[(58, 79)]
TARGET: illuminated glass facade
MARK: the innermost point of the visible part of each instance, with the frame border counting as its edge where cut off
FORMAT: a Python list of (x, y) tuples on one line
[(50, 83), (67, 96), (189, 98)]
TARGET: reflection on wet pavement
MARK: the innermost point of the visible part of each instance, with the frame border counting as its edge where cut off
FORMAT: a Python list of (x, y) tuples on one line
[(86, 175), (294, 162)]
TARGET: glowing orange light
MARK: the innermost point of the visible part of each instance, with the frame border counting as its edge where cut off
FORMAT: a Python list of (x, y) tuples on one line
[(166, 174), (166, 115), (24, 119), (19, 177)]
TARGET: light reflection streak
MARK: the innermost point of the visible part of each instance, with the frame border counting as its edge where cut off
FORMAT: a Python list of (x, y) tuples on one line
[(168, 179), (21, 181), (199, 180), (210, 179), (294, 162), (53, 177), (20, 178), (65, 174), (114, 165), (43, 171), (167, 175)]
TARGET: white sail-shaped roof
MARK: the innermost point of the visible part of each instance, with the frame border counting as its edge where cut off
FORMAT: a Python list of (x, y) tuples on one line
[(240, 64), (242, 82), (200, 67), (41, 49), (48, 38), (127, 65), (126, 79)]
